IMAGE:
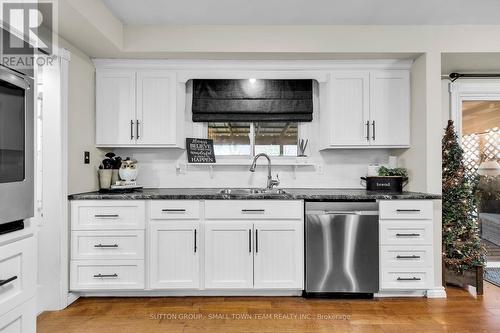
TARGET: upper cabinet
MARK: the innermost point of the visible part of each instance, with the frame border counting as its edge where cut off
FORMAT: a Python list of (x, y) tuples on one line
[(115, 107), (137, 108), (367, 109)]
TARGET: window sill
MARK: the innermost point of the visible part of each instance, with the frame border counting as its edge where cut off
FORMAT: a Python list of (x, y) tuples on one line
[(276, 161), (293, 162)]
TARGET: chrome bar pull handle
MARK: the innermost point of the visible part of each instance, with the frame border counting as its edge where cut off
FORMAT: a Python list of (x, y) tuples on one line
[(408, 235), (104, 216), (106, 275), (131, 130), (4, 282), (137, 129), (253, 210), (105, 246), (195, 240), (367, 131), (407, 257), (256, 241), (408, 279), (407, 210), (249, 240), (173, 210), (373, 126)]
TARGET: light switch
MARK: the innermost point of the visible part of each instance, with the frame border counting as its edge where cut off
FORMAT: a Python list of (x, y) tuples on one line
[(86, 157)]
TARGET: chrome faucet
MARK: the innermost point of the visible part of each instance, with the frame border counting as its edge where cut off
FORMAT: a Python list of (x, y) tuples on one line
[(270, 181)]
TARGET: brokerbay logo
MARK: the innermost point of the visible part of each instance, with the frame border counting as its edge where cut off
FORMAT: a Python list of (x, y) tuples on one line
[(27, 36)]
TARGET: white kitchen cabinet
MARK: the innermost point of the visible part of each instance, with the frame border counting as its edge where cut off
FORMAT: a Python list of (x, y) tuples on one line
[(156, 108), (21, 319), (174, 255), (228, 255), (115, 107), (390, 108), (348, 115), (367, 109), (278, 257), (406, 239), (137, 108)]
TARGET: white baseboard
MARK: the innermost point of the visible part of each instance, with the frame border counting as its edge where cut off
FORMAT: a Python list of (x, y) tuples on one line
[(400, 293), (71, 298), (438, 292)]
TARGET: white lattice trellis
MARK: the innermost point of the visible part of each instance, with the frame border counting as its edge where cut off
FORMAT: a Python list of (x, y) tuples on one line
[(478, 147), (472, 153), (491, 143)]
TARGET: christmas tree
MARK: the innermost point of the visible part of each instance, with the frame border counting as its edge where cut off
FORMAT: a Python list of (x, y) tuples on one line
[(461, 243)]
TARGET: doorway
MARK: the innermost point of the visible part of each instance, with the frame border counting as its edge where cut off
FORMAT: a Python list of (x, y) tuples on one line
[(480, 136)]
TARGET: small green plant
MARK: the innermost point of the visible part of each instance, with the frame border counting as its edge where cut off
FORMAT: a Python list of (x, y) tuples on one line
[(384, 172)]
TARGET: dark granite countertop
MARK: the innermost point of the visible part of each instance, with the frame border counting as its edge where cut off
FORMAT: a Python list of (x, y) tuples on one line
[(310, 194)]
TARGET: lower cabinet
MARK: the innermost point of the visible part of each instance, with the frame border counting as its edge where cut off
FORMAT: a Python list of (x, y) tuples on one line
[(260, 255), (174, 255), (21, 319), (406, 251), (228, 255), (189, 245), (278, 258)]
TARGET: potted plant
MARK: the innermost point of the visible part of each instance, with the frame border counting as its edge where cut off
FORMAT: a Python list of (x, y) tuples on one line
[(108, 170), (388, 179)]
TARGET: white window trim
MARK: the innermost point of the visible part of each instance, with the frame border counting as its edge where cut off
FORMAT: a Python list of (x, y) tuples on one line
[(204, 128), (472, 90)]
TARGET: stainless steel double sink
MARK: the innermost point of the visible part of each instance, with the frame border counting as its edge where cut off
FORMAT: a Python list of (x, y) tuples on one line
[(253, 191)]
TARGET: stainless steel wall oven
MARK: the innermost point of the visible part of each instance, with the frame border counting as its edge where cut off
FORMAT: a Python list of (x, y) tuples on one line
[(16, 146)]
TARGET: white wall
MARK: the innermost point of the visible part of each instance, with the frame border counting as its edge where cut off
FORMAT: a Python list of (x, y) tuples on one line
[(81, 122)]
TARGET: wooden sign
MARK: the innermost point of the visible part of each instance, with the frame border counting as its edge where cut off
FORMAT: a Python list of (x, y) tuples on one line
[(200, 150)]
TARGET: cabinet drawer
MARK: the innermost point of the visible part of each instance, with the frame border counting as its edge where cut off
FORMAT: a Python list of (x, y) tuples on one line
[(17, 273), (107, 274), (406, 209), (406, 256), (21, 319), (104, 214), (254, 209), (404, 233), (122, 244), (407, 279), (175, 210)]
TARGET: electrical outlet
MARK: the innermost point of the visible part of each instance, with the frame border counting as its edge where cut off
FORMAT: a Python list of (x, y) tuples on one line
[(86, 157)]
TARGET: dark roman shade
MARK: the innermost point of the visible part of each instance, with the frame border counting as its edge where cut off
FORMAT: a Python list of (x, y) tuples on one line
[(252, 100)]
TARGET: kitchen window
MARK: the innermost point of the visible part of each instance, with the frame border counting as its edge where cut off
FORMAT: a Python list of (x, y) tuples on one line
[(251, 138)]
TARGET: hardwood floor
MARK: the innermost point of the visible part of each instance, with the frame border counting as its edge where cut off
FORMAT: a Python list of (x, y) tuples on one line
[(460, 312)]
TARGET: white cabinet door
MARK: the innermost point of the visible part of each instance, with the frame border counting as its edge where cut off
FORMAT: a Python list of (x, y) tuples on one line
[(390, 108), (115, 108), (279, 262), (228, 255), (156, 108), (174, 255), (349, 109)]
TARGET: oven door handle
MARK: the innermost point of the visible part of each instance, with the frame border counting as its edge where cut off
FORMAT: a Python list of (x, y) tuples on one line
[(14, 79)]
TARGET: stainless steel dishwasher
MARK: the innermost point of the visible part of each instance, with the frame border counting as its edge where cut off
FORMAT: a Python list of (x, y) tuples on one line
[(342, 248)]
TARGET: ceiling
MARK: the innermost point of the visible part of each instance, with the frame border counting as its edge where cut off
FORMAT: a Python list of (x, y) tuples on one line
[(305, 12)]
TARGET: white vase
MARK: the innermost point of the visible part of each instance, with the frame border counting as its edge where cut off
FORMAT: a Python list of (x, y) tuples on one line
[(128, 174), (105, 178)]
